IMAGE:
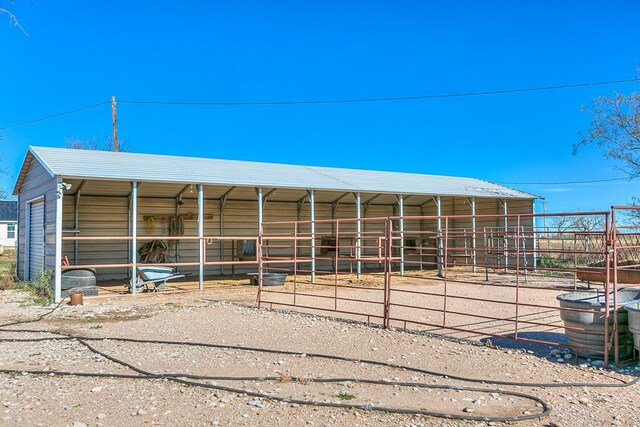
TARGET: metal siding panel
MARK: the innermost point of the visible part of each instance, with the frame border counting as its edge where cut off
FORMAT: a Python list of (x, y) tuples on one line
[(104, 216), (36, 240), (108, 216), (38, 183)]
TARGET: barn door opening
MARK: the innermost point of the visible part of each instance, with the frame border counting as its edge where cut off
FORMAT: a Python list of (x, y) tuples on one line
[(36, 239)]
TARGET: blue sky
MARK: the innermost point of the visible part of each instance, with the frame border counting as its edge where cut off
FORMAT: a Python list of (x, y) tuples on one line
[(82, 53)]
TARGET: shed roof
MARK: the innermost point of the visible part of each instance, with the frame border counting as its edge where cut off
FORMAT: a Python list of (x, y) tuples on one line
[(8, 210), (107, 165)]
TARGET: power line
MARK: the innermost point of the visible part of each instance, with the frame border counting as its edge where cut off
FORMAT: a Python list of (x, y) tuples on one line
[(330, 101), (53, 116), (386, 99), (564, 182)]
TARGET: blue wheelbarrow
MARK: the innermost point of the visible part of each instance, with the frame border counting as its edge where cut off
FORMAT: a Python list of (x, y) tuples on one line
[(154, 278)]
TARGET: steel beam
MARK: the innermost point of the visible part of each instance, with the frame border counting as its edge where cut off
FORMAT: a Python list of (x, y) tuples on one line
[(472, 201), (358, 236), (506, 235), (134, 235), (260, 205), (438, 203), (57, 286), (312, 209), (201, 235), (400, 199), (535, 235), (76, 222)]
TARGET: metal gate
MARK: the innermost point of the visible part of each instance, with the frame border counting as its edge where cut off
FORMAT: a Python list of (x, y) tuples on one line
[(460, 276), (36, 239)]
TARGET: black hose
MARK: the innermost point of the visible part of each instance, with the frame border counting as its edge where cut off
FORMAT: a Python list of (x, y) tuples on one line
[(179, 377), (37, 319), (320, 356)]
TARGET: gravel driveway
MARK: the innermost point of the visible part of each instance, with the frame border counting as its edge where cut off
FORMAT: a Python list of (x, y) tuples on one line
[(51, 398)]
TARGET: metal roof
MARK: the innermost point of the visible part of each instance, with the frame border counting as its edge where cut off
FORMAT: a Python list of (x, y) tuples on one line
[(107, 165), (8, 210)]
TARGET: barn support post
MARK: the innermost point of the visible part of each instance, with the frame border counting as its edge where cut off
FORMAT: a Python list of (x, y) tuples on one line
[(57, 286), (506, 235), (439, 238), (400, 199), (201, 236), (312, 214), (134, 234), (76, 220), (223, 201), (358, 236), (129, 233), (260, 205), (535, 235), (474, 257), (420, 242)]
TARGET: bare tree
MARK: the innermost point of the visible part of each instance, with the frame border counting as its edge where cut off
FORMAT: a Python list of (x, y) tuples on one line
[(13, 20), (615, 127), (4, 193), (96, 143), (577, 224)]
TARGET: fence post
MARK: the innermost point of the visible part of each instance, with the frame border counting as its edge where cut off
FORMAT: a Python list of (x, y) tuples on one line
[(260, 263), (614, 269), (387, 271), (444, 271), (607, 274)]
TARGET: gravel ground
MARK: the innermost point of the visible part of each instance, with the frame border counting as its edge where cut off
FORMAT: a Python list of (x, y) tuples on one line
[(54, 399)]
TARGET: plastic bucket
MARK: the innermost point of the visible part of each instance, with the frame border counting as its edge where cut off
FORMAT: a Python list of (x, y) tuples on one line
[(76, 298)]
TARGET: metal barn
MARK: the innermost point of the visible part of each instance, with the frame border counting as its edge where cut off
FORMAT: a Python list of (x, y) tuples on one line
[(96, 209)]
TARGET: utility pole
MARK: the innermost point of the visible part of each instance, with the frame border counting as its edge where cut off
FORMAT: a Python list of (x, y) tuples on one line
[(114, 119)]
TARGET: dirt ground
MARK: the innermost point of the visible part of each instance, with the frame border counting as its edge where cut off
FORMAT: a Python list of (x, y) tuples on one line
[(51, 398)]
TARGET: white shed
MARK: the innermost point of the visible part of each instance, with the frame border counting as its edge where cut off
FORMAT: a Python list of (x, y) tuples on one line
[(8, 223)]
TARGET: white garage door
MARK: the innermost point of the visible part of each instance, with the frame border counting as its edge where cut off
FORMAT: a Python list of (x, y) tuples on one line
[(36, 239)]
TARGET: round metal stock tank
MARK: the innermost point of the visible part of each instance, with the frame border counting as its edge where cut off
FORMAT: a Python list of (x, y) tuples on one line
[(268, 279), (633, 310), (586, 329)]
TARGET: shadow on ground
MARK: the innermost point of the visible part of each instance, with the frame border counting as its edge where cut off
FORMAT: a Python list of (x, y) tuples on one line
[(539, 349)]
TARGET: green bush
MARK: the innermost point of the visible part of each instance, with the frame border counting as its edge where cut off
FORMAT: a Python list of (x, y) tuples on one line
[(555, 267), (39, 288)]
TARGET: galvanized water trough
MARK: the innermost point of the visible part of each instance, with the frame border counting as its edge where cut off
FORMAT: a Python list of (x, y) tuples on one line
[(633, 309), (584, 313), (268, 279), (598, 275)]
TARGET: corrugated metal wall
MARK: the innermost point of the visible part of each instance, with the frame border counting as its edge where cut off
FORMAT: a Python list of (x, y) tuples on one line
[(109, 216), (38, 183)]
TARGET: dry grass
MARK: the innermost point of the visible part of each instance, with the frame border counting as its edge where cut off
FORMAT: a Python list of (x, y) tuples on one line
[(7, 268)]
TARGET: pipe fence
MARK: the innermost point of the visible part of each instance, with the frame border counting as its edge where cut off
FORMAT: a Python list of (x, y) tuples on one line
[(520, 277)]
